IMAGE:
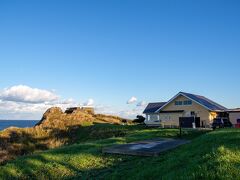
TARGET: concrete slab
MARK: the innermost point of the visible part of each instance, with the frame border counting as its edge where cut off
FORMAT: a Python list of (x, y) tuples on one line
[(152, 147)]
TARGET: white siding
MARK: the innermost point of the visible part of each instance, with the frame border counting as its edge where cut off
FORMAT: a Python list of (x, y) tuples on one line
[(152, 119)]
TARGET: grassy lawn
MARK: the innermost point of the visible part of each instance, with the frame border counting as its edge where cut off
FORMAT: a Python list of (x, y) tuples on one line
[(214, 155)]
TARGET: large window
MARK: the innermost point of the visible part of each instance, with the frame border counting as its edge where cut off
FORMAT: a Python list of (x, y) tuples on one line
[(153, 117), (187, 102)]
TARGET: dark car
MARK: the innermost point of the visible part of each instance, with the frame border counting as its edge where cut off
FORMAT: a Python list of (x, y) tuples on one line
[(221, 123)]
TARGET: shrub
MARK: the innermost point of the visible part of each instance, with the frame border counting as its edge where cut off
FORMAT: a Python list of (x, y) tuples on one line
[(140, 119)]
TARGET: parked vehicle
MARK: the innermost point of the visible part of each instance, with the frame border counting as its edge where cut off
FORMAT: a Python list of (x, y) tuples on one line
[(221, 123), (238, 124)]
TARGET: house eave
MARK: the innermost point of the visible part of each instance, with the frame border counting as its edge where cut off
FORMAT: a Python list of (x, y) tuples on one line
[(177, 111)]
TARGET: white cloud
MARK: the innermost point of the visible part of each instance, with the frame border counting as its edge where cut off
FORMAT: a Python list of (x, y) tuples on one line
[(142, 104), (19, 110), (90, 102), (128, 113), (26, 94), (23, 102), (105, 109), (68, 101), (132, 100)]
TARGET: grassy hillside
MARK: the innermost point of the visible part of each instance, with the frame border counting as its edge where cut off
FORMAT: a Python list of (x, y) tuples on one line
[(214, 155), (57, 128)]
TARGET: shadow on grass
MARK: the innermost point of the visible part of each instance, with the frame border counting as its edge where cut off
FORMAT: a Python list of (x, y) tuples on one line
[(71, 161), (17, 142), (86, 159)]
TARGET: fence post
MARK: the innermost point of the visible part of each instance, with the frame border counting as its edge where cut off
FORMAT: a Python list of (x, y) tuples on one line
[(180, 127)]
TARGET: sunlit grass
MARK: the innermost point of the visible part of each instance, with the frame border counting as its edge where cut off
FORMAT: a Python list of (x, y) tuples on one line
[(85, 159)]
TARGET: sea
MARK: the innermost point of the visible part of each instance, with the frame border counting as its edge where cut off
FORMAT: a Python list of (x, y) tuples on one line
[(17, 123)]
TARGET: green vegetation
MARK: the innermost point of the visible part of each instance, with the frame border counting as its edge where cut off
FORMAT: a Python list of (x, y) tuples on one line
[(56, 129), (213, 155)]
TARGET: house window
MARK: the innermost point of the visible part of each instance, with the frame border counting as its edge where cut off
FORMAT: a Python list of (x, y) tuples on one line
[(153, 117), (188, 102), (178, 103), (192, 113), (185, 103)]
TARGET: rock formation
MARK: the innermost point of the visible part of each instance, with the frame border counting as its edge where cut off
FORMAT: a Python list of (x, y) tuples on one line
[(56, 118)]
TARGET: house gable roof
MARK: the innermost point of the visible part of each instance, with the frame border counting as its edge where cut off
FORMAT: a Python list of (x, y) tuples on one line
[(201, 100), (213, 106), (153, 107)]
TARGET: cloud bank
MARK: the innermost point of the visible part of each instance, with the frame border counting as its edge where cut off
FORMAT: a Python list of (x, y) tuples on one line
[(90, 102), (132, 100), (24, 102), (27, 94), (142, 104)]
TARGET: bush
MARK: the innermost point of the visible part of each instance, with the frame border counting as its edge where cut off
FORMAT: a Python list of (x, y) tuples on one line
[(140, 119)]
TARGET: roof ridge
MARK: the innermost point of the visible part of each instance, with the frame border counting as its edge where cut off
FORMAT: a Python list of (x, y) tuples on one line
[(192, 94), (156, 102)]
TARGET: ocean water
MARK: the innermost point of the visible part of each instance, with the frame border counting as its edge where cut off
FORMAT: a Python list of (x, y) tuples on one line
[(16, 123)]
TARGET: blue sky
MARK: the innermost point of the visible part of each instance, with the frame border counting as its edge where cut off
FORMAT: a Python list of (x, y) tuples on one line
[(112, 50)]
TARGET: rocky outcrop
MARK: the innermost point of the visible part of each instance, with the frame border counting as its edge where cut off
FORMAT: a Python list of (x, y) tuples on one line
[(56, 118)]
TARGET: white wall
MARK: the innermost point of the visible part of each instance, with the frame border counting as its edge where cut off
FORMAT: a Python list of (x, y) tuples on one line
[(152, 119)]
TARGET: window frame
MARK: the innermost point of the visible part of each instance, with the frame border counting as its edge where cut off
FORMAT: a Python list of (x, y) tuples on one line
[(183, 103), (178, 103)]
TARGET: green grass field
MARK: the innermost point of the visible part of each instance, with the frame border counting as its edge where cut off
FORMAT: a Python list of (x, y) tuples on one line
[(210, 155)]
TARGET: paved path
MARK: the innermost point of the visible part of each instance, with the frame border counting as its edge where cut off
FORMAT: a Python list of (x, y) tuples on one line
[(151, 147)]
